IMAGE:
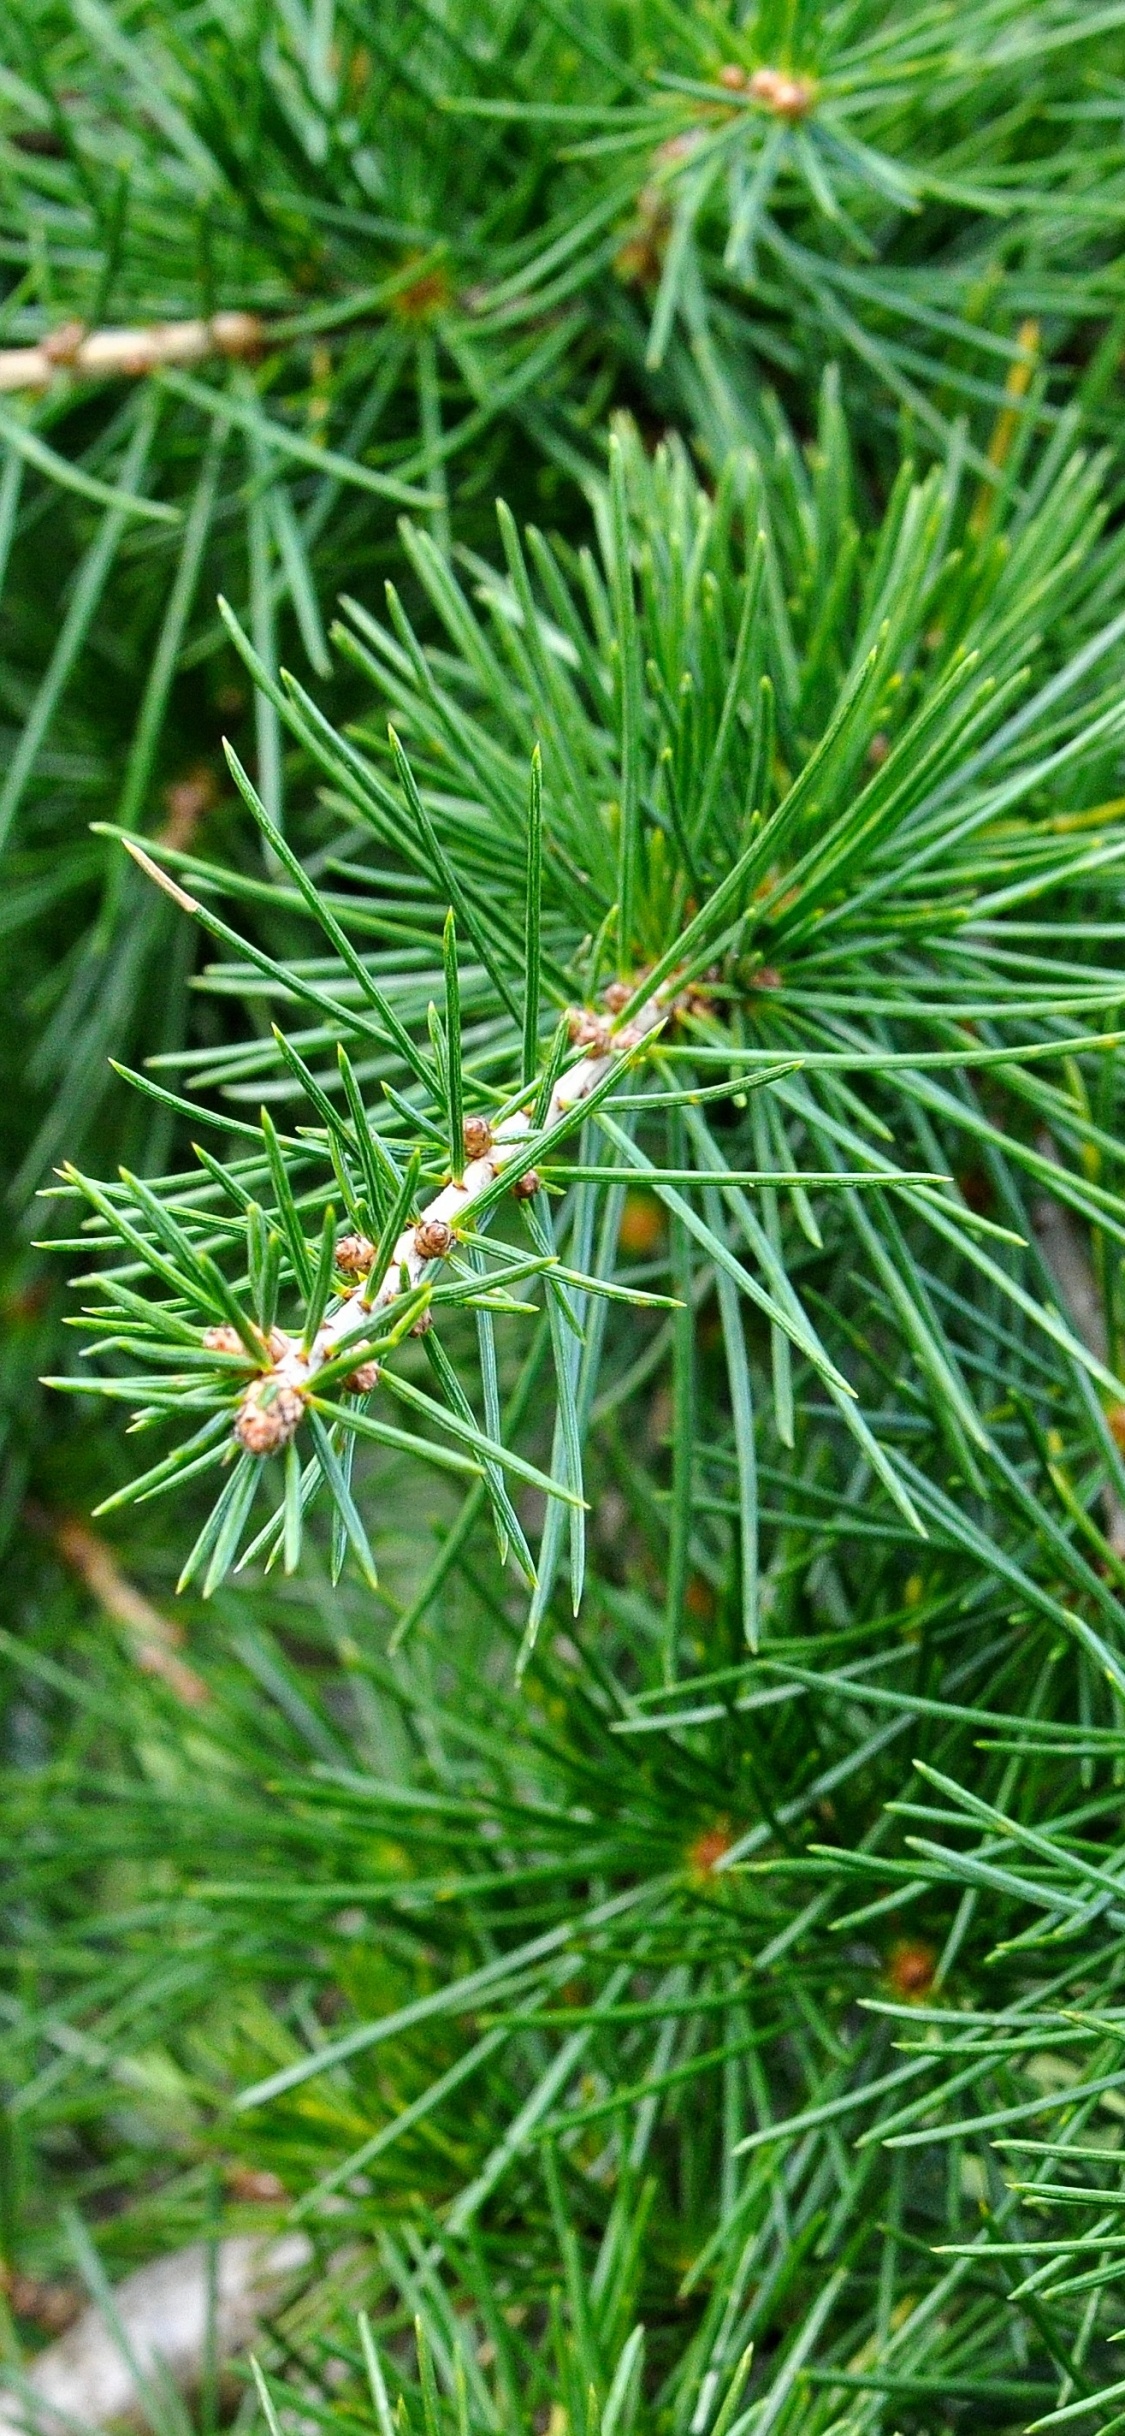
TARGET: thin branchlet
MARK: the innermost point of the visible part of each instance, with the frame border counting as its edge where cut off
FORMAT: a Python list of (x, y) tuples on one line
[(273, 1405), (74, 353)]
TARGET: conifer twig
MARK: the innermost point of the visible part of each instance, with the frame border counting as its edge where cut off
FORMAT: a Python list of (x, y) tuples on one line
[(152, 1638), (273, 1404), (127, 354)]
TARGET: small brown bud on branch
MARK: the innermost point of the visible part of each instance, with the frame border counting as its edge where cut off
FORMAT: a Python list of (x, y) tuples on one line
[(527, 1185), (354, 1255), (225, 1340), (270, 1416), (476, 1133), (62, 345), (616, 996), (589, 1031), (433, 1239), (789, 97)]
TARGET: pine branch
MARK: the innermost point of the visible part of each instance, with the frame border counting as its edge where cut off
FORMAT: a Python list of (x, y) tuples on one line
[(819, 908), (75, 353), (738, 1958), (272, 1407)]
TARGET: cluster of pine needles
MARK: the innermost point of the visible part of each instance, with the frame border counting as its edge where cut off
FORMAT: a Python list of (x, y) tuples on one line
[(562, 822)]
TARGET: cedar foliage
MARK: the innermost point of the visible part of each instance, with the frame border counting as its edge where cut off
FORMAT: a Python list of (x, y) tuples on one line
[(619, 1840)]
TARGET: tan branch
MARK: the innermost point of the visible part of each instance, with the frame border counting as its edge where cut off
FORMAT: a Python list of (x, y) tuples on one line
[(75, 353), (152, 1639)]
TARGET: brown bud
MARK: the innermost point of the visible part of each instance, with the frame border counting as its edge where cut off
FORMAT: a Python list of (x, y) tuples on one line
[(421, 298), (254, 2182), (616, 996), (588, 1031), (269, 1418), (354, 1255), (732, 76), (423, 1324), (62, 345), (476, 1134), (527, 1185), (767, 977), (709, 1847), (629, 1037), (224, 1340), (639, 261), (237, 333), (878, 750), (910, 1968), (433, 1238), (789, 97), (642, 1224), (364, 1379)]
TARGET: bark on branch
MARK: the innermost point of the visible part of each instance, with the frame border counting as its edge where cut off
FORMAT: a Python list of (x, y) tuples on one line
[(75, 353)]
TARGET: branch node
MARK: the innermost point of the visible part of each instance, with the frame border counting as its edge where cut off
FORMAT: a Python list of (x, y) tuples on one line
[(433, 1239), (476, 1133), (354, 1255), (269, 1416)]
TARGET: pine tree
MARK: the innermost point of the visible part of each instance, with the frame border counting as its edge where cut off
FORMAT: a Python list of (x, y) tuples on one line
[(605, 1213)]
